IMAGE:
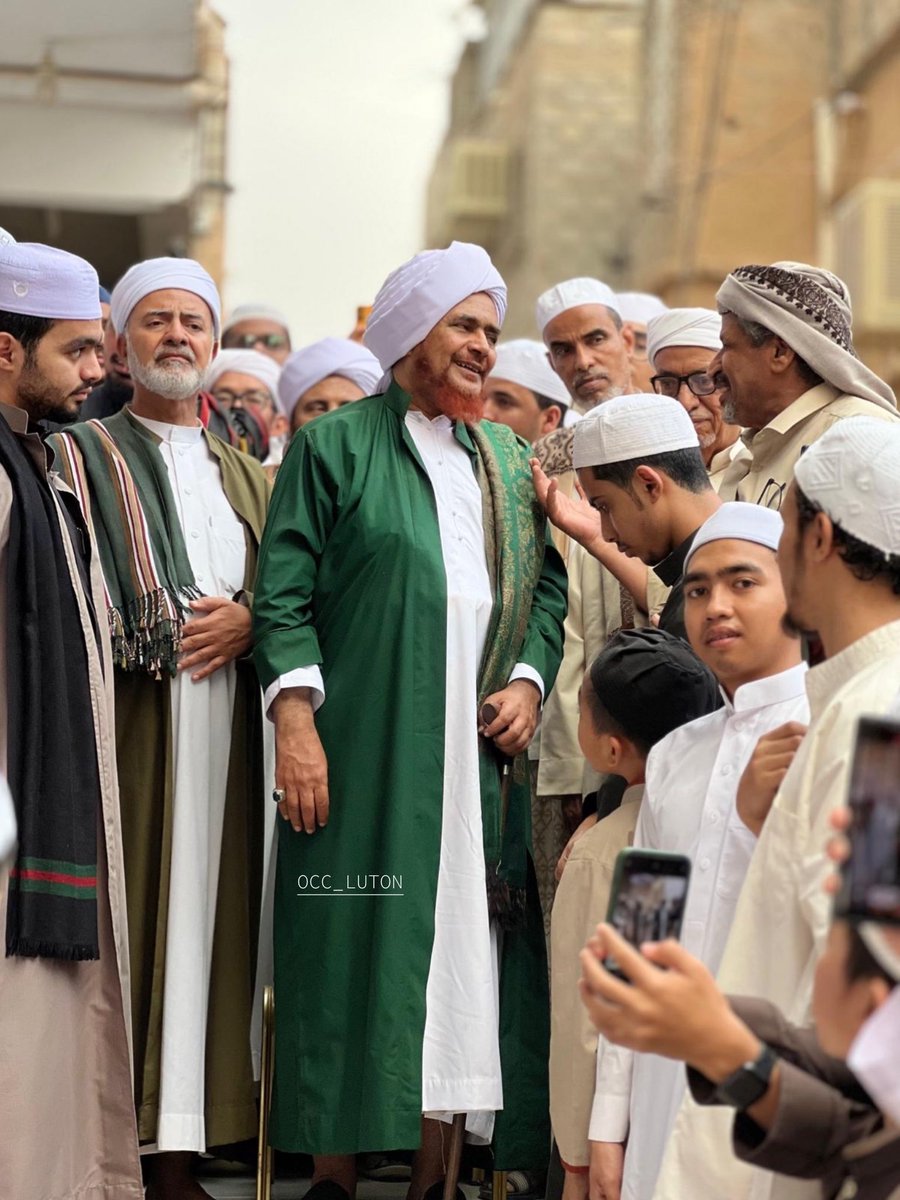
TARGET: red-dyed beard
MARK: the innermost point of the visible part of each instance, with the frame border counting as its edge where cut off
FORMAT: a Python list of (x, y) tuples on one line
[(458, 406)]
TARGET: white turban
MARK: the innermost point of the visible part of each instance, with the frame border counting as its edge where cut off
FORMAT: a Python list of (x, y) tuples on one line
[(640, 307), (331, 356), (244, 362), (256, 312), (740, 522), (853, 473), (41, 281), (629, 427), (413, 299), (163, 274), (6, 238), (524, 361), (684, 327), (809, 309), (572, 294)]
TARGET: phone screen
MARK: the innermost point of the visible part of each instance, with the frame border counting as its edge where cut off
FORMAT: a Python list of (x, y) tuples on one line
[(871, 876), (649, 898)]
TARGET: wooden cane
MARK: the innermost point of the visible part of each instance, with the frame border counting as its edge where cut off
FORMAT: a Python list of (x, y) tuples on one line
[(267, 1069), (457, 1136), (498, 1189)]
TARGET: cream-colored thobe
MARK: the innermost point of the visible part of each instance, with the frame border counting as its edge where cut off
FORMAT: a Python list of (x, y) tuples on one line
[(201, 734), (783, 914), (582, 899), (689, 808), (67, 1124), (762, 474)]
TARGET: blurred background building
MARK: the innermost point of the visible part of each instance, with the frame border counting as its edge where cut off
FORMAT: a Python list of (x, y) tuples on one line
[(659, 143), (112, 130)]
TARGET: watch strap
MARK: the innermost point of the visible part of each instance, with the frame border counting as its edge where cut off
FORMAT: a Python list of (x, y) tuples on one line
[(749, 1082)]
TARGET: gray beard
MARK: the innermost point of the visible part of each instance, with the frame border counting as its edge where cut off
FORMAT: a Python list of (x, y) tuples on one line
[(171, 383), (614, 390), (728, 413)]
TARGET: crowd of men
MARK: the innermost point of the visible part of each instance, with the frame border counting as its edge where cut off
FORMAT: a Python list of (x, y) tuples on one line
[(299, 682)]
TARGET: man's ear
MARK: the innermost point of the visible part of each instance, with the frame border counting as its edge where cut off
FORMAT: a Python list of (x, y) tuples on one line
[(122, 347), (628, 338), (552, 418), (10, 350), (616, 749), (648, 483), (781, 356), (820, 532)]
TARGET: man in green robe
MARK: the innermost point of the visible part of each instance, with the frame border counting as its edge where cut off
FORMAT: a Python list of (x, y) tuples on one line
[(405, 584)]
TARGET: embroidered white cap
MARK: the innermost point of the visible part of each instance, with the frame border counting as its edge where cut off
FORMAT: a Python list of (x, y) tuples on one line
[(628, 427), (853, 473), (524, 361), (244, 362), (41, 281), (572, 293), (740, 522)]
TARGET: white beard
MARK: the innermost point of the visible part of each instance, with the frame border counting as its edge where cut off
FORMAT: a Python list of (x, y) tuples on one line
[(580, 406)]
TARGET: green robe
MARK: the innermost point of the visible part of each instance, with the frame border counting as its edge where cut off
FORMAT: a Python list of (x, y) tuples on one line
[(352, 576)]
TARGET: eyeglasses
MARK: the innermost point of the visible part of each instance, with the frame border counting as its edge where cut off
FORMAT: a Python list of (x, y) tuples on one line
[(246, 341), (699, 382), (227, 398)]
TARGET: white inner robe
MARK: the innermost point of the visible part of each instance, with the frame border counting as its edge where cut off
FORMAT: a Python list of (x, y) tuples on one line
[(201, 737), (461, 1049)]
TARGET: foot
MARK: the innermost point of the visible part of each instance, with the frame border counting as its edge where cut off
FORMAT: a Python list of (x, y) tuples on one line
[(171, 1177)]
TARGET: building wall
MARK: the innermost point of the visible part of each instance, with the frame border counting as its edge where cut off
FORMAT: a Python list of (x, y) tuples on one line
[(566, 108), (114, 141), (741, 184)]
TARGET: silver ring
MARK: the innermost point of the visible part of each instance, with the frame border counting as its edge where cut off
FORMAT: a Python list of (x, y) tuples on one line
[(278, 795)]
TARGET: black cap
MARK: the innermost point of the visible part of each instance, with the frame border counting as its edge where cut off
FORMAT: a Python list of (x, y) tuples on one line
[(651, 683)]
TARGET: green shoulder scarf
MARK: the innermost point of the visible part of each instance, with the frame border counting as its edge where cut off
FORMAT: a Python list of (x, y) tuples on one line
[(514, 528), (121, 481)]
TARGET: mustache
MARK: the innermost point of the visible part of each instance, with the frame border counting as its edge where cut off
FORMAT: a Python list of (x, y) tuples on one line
[(583, 377), (182, 351)]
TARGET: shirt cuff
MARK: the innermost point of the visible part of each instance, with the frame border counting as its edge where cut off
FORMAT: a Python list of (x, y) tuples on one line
[(609, 1118), (523, 671), (310, 677)]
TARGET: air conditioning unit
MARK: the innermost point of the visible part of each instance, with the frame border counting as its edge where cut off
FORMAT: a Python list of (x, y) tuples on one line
[(478, 179), (867, 251)]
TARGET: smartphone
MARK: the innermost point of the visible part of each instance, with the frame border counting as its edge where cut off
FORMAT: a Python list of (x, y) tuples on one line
[(870, 888), (648, 898)]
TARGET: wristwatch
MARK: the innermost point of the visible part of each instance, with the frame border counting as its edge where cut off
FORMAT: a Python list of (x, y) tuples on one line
[(748, 1083)]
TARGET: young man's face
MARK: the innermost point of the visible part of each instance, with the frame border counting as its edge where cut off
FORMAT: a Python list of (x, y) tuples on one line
[(61, 371), (734, 607), (633, 518), (512, 404), (590, 353), (324, 397)]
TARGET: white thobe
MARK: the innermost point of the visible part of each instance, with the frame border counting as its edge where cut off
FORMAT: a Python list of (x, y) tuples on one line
[(783, 914), (201, 735), (461, 1048), (689, 807)]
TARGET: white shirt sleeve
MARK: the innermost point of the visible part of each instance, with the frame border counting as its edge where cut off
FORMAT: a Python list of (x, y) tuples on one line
[(310, 677), (523, 671), (610, 1112)]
